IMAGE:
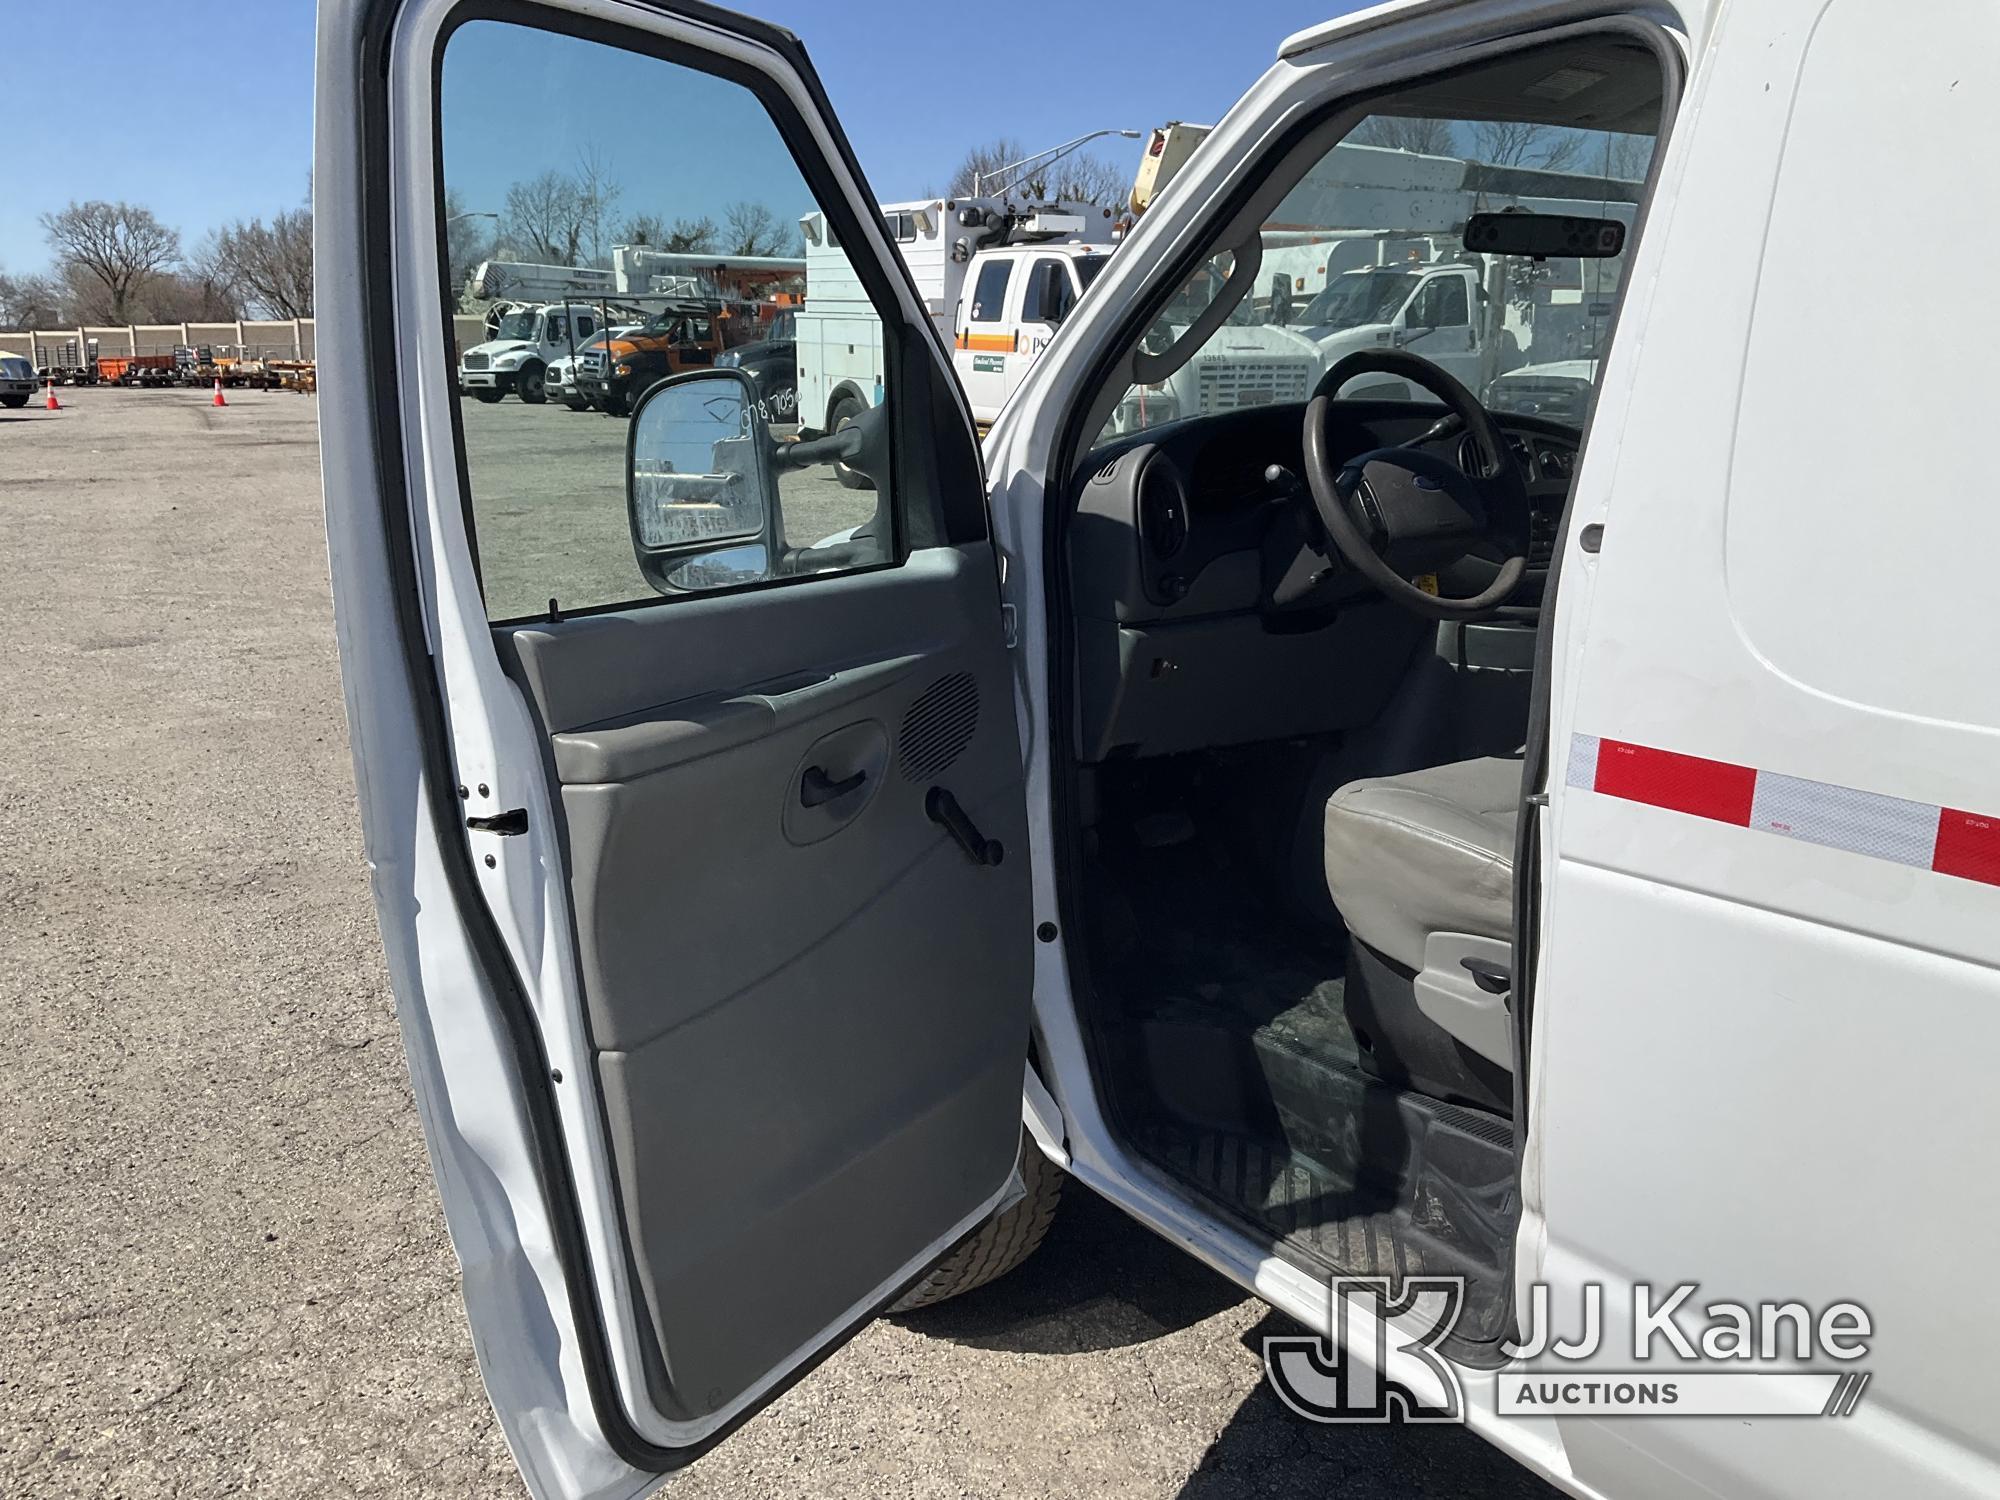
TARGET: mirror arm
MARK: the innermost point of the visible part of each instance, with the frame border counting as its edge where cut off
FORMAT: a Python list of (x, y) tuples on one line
[(845, 444)]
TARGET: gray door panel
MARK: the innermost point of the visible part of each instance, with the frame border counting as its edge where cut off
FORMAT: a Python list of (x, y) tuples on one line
[(810, 1021)]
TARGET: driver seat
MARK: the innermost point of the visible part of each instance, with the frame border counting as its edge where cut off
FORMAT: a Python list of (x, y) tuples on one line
[(1421, 867)]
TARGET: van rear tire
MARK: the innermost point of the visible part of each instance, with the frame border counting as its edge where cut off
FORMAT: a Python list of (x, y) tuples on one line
[(1001, 1243)]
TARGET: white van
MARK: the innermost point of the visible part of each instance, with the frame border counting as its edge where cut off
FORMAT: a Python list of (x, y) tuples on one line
[(1519, 895)]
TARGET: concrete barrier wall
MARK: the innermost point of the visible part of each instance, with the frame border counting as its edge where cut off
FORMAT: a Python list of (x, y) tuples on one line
[(261, 338)]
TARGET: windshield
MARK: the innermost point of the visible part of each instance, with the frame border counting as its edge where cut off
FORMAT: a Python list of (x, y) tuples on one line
[(16, 367), (1347, 255), (517, 325), (1357, 298)]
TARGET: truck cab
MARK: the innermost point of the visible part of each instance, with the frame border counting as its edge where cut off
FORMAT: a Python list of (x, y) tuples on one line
[(525, 339), (1438, 311), (1012, 301), (676, 337)]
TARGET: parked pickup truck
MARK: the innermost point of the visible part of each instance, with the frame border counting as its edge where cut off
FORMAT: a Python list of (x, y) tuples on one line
[(680, 336), (772, 362)]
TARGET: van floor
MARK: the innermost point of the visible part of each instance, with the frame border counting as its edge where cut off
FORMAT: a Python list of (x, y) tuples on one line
[(1233, 1070)]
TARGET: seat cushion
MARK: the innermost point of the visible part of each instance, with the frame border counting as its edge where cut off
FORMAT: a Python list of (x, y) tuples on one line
[(1427, 851)]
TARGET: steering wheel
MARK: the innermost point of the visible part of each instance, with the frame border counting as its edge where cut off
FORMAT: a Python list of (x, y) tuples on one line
[(1394, 513)]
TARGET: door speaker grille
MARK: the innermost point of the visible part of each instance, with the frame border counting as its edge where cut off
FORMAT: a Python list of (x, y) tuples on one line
[(938, 725)]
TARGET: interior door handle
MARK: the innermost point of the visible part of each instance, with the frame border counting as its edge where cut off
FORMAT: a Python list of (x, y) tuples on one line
[(816, 786), (942, 809)]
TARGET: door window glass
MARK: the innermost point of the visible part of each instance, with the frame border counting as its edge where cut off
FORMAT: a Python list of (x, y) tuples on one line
[(679, 226), (1440, 303), (989, 293), (1047, 297)]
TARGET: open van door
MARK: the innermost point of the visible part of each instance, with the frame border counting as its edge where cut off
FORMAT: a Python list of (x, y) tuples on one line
[(696, 823)]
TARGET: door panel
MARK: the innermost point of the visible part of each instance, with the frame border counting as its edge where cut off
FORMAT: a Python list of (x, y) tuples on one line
[(789, 1053)]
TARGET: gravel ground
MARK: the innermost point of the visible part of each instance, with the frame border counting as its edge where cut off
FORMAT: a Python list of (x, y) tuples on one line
[(225, 1268)]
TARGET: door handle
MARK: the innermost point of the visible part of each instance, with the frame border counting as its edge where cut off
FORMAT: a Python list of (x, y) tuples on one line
[(816, 786), (942, 809)]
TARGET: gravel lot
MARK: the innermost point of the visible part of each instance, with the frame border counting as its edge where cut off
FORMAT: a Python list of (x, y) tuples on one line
[(225, 1269)]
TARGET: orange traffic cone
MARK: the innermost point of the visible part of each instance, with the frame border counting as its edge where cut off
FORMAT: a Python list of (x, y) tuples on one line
[(218, 401), (52, 404)]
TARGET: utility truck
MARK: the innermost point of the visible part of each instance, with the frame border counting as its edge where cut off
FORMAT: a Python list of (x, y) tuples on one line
[(1367, 252), (998, 275), (525, 340)]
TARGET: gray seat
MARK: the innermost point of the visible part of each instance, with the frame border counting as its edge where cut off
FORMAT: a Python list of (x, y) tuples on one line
[(1423, 853)]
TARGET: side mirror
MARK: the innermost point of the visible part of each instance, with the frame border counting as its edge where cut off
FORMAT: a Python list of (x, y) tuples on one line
[(701, 491)]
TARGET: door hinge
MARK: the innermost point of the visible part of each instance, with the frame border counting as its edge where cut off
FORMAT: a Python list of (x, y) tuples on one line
[(513, 820)]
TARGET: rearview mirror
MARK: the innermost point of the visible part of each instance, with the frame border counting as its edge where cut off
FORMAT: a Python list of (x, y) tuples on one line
[(700, 487), (1543, 236)]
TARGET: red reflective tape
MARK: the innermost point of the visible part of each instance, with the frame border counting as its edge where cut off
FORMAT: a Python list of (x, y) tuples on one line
[(1682, 783), (1968, 846)]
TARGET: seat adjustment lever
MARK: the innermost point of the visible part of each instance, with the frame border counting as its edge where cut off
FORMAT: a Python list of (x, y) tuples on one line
[(1488, 975)]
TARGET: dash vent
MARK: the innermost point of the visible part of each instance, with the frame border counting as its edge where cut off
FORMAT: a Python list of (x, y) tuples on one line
[(938, 726)]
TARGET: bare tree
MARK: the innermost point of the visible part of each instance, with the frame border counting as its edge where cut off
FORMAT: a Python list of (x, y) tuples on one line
[(982, 162), (33, 301), (691, 234), (752, 229), (468, 239), (1626, 157), (193, 295), (547, 218), (116, 246), (597, 195), (643, 229), (269, 266), (1088, 179), (1406, 133), (1524, 143)]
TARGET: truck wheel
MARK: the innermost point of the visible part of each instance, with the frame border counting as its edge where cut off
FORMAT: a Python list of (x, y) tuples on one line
[(1001, 1243), (13, 400), (845, 410), (576, 403), (486, 394), (529, 386)]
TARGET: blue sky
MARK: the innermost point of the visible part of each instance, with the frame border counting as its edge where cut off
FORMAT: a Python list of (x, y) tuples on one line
[(914, 81)]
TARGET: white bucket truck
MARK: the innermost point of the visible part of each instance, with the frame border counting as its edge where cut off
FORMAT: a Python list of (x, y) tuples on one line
[(997, 275), (1323, 290), (526, 340)]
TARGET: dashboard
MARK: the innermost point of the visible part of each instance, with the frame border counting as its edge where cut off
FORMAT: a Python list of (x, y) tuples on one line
[(1209, 607)]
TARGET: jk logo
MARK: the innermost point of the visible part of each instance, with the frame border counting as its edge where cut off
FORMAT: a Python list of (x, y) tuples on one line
[(1382, 1363)]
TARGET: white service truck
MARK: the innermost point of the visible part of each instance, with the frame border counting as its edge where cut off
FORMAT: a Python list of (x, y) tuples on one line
[(997, 275), (1326, 288), (524, 343)]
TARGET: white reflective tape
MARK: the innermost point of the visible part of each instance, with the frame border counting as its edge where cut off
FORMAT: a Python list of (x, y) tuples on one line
[(1582, 761), (1841, 818)]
